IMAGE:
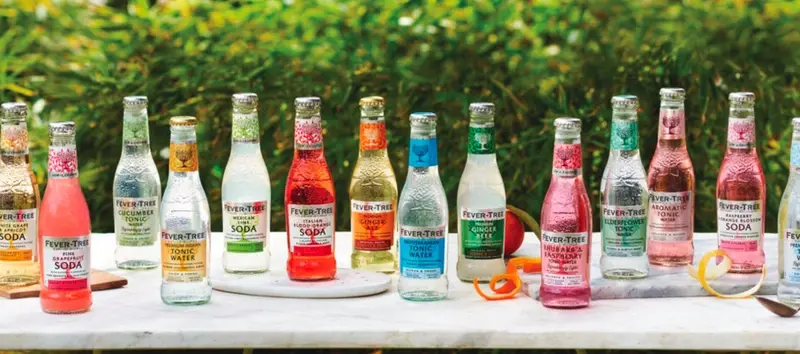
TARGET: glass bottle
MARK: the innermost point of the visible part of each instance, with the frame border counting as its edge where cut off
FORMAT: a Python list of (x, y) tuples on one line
[(789, 228), (19, 201), (624, 197), (373, 194), (422, 218), (137, 192), (671, 181), (185, 222), (741, 193), (566, 224), (246, 193), (481, 202), (310, 199)]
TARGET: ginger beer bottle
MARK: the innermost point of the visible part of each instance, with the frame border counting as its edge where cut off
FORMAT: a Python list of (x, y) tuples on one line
[(373, 194), (481, 201), (185, 222), (19, 201), (137, 192), (245, 194), (789, 228)]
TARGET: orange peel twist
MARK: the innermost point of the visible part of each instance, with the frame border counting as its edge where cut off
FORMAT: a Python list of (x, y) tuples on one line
[(703, 273), (512, 283)]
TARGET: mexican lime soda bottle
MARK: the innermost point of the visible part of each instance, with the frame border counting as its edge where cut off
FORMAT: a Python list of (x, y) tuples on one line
[(566, 224), (789, 228), (64, 229)]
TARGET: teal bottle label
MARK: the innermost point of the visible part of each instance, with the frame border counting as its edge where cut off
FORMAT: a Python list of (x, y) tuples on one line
[(794, 158), (624, 135), (422, 153), (624, 230), (481, 141), (482, 232), (245, 226), (422, 252)]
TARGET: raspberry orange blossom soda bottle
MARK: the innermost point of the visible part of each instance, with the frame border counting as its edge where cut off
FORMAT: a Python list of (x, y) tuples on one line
[(310, 199), (64, 229), (741, 193), (566, 224)]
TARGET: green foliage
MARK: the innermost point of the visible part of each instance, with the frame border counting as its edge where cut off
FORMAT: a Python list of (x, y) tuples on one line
[(535, 61)]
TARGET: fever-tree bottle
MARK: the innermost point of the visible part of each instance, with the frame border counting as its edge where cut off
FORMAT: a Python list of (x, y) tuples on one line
[(373, 194), (137, 192), (789, 228)]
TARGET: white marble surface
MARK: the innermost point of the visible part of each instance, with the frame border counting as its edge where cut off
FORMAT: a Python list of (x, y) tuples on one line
[(348, 283), (135, 317)]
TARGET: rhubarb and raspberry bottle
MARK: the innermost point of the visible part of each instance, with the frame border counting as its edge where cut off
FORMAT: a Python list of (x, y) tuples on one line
[(566, 224), (310, 199), (741, 196)]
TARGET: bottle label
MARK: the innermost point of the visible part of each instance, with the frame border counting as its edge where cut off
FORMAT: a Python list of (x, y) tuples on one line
[(624, 230), (481, 141), (244, 128), (18, 234), (794, 158), (14, 141), (66, 262), (134, 131), (741, 132), (308, 133), (624, 134), (672, 124), (137, 221), (311, 229), (565, 260), (482, 232), (422, 252), (567, 160), (739, 225), (670, 218), (372, 135), (245, 226), (62, 162), (183, 157), (791, 255), (372, 224), (183, 256), (423, 153)]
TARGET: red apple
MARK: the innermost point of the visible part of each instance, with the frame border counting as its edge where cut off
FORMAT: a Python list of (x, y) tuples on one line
[(515, 231)]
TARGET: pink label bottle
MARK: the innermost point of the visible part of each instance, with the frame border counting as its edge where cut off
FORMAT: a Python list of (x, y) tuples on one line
[(566, 224), (741, 193)]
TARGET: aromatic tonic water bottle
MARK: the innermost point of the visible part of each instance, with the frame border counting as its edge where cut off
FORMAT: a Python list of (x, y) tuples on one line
[(566, 224), (741, 193), (789, 228), (185, 222), (310, 199), (481, 201), (670, 223), (624, 193), (64, 229), (19, 200), (245, 194), (422, 218), (137, 192), (373, 194)]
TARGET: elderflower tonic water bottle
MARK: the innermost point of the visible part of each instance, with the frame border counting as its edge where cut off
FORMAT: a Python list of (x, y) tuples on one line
[(789, 228)]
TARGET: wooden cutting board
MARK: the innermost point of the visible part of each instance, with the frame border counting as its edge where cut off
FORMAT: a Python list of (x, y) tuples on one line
[(100, 281)]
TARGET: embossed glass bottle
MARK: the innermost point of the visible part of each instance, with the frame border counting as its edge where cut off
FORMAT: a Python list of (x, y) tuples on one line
[(245, 193), (137, 192), (19, 201), (741, 193), (422, 218), (671, 181), (185, 222), (481, 202), (789, 228), (566, 224), (624, 197), (373, 194)]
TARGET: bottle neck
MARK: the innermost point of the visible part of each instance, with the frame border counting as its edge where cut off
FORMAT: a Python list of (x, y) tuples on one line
[(741, 127), (567, 159), (624, 131), (308, 135), (481, 138), (14, 142), (794, 157), (183, 150), (423, 147), (372, 133), (62, 159), (135, 130), (672, 121), (244, 128)]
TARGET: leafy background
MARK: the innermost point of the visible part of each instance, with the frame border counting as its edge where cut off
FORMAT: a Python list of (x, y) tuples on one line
[(534, 60)]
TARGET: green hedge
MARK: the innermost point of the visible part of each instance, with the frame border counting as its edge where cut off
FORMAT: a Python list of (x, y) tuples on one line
[(535, 62)]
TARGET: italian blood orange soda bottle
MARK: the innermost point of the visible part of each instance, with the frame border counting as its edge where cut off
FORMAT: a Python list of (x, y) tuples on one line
[(64, 229)]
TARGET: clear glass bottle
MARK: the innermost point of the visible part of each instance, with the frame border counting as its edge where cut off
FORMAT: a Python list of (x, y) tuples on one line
[(624, 197), (185, 222), (137, 192), (246, 193), (19, 201), (481, 202), (789, 228), (373, 194), (422, 218)]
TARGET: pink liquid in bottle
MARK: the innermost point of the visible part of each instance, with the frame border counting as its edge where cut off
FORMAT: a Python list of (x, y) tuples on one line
[(64, 229), (566, 225)]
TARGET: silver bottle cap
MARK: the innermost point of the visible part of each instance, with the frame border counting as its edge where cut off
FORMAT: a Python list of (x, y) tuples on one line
[(484, 108), (796, 123), (62, 129), (625, 102), (672, 94), (134, 103), (246, 101), (422, 117), (307, 103), (14, 111), (742, 97), (567, 124)]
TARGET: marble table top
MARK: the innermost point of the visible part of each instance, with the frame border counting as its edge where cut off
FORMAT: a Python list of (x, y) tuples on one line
[(135, 318)]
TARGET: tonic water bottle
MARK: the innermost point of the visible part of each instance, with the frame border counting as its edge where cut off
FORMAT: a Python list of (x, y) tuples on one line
[(789, 228)]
